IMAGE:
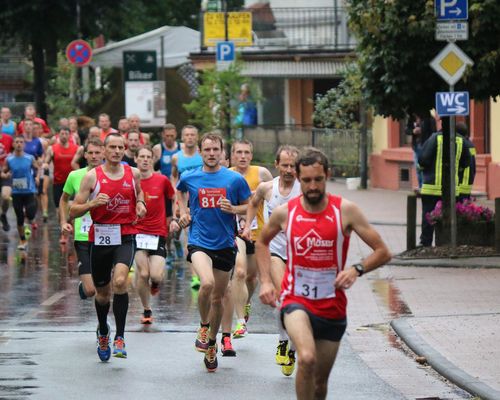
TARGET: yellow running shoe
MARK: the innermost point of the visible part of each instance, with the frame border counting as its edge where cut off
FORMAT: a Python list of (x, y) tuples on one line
[(240, 331), (281, 352), (288, 368)]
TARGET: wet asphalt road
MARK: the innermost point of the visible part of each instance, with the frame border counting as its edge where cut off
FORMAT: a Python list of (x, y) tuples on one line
[(47, 342)]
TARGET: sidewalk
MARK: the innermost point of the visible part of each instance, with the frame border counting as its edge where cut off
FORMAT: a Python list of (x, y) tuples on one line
[(448, 312)]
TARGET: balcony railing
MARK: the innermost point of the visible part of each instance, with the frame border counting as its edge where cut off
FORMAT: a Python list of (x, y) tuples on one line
[(315, 28)]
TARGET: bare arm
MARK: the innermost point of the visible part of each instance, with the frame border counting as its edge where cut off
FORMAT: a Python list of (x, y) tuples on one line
[(175, 171), (76, 158), (64, 211), (354, 220), (185, 219), (140, 207), (265, 175), (48, 157), (276, 223), (81, 205), (256, 200)]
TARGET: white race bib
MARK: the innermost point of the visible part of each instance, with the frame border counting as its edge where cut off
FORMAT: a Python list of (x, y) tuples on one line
[(20, 183), (86, 223), (315, 284), (146, 242), (107, 235)]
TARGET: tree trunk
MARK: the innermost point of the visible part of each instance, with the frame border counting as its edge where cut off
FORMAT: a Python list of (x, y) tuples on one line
[(39, 77)]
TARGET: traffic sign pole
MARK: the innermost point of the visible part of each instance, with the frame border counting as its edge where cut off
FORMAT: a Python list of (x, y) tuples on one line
[(453, 213)]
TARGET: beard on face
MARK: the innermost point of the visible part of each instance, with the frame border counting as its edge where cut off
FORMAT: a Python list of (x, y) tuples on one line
[(315, 199)]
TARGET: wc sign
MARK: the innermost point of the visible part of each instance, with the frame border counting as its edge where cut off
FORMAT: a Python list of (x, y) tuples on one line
[(224, 55), (452, 103)]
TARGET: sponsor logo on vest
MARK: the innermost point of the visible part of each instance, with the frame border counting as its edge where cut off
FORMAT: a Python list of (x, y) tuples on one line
[(118, 204), (302, 218), (310, 241), (126, 184)]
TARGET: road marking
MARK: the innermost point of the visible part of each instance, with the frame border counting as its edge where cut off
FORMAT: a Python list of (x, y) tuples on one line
[(53, 299)]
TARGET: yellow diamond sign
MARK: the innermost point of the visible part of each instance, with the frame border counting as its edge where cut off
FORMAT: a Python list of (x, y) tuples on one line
[(450, 63)]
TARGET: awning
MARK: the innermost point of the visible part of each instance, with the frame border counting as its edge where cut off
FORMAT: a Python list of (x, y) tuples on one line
[(295, 69), (178, 42)]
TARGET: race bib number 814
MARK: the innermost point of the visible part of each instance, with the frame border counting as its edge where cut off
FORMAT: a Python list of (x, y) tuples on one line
[(211, 197)]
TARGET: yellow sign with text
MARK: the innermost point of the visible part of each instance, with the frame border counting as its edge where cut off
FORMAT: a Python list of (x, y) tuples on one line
[(239, 28)]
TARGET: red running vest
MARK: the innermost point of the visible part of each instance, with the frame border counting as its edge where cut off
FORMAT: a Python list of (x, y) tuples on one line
[(317, 251), (120, 208), (62, 161)]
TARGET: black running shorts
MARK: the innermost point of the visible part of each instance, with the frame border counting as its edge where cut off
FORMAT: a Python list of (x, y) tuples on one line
[(161, 250), (104, 258), (83, 253), (222, 260), (323, 328)]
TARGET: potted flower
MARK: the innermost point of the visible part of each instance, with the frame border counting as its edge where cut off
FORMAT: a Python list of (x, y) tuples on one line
[(475, 224)]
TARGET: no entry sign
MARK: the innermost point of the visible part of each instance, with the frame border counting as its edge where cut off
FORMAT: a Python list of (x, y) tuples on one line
[(79, 53)]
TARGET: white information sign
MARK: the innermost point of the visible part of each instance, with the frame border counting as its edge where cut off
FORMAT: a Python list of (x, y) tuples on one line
[(452, 31)]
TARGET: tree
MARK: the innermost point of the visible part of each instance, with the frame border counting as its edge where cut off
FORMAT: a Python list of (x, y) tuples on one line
[(395, 45), (43, 28), (339, 107), (217, 103)]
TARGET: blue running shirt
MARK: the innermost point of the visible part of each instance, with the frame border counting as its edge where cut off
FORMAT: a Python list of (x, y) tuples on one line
[(188, 163), (21, 169), (210, 227)]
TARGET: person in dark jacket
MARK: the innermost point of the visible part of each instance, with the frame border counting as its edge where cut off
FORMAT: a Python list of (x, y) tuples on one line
[(431, 162)]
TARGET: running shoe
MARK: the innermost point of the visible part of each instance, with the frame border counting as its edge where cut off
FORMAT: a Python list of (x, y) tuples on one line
[(155, 288), (81, 292), (211, 358), (45, 216), (27, 231), (227, 348), (147, 317), (201, 342), (179, 252), (22, 245), (248, 308), (281, 352), (195, 282), (240, 331), (288, 368), (119, 348), (103, 349), (5, 223), (34, 226)]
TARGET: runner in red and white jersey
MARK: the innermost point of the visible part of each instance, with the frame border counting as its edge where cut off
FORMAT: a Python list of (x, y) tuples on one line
[(113, 195), (315, 240), (318, 226), (152, 230)]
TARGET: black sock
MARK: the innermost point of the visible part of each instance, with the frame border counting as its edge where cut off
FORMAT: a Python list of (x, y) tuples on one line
[(148, 313), (102, 317), (204, 325), (226, 334), (211, 342), (120, 308)]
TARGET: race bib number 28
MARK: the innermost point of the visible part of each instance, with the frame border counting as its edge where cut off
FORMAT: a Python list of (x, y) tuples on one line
[(107, 235), (211, 197)]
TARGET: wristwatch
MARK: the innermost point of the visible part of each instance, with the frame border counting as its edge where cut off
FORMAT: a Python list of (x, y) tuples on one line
[(360, 269)]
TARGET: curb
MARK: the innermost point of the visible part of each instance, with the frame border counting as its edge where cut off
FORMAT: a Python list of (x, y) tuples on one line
[(441, 364), (466, 262)]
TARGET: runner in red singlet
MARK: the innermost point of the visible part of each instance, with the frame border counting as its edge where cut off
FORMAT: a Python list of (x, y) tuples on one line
[(60, 154), (313, 301), (113, 195), (152, 230)]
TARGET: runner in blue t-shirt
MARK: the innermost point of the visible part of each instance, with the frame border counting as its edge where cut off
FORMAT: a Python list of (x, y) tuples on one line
[(20, 167), (216, 195)]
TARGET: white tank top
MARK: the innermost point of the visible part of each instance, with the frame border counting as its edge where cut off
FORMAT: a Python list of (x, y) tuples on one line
[(278, 244)]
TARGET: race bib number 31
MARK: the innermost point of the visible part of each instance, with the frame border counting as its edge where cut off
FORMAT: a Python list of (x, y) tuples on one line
[(211, 197), (107, 235), (315, 284)]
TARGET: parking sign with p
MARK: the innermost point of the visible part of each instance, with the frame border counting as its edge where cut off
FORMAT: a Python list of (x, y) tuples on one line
[(224, 54)]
